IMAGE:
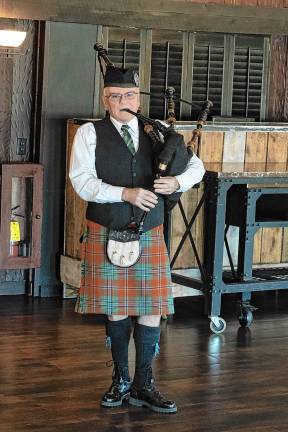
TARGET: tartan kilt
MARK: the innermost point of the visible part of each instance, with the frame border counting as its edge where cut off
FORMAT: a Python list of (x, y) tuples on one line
[(143, 289)]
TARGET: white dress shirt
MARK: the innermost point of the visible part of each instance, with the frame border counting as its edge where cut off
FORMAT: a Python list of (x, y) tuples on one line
[(83, 174)]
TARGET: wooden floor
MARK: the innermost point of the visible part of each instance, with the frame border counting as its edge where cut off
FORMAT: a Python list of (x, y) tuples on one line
[(53, 372)]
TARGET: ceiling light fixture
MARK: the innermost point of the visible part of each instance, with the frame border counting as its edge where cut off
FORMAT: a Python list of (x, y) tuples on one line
[(12, 38)]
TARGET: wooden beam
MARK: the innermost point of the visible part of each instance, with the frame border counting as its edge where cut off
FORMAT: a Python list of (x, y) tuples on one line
[(173, 15)]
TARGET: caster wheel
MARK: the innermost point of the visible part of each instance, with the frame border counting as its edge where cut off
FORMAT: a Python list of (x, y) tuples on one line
[(217, 325), (245, 318)]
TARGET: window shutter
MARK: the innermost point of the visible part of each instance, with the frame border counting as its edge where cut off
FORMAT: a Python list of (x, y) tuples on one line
[(207, 77), (166, 71), (124, 54), (245, 58), (247, 82)]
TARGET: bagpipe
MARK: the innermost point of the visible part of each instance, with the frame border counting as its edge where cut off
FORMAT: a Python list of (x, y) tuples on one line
[(171, 154)]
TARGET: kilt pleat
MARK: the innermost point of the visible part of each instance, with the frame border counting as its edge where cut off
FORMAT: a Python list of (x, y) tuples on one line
[(143, 289)]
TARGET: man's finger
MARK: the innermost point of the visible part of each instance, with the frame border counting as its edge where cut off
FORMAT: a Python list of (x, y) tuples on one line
[(161, 181), (150, 195), (142, 207), (148, 203), (162, 191), (151, 199)]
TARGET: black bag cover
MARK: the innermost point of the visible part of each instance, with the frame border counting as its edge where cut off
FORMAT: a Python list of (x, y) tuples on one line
[(174, 153)]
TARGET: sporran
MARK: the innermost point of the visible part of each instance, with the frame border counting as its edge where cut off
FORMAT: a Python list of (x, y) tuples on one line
[(123, 247)]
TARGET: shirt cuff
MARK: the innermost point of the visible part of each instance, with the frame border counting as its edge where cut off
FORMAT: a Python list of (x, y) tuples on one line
[(180, 181), (115, 193), (109, 193)]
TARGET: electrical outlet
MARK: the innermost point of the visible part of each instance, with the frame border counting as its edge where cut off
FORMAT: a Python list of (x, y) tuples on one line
[(21, 146)]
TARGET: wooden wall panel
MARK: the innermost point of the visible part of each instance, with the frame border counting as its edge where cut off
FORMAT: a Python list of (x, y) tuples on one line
[(284, 256), (245, 3), (74, 207), (271, 3), (6, 90), (211, 150), (255, 3), (277, 150), (255, 160), (199, 241), (233, 154), (271, 246), (257, 247), (256, 150), (186, 258), (234, 148), (278, 87)]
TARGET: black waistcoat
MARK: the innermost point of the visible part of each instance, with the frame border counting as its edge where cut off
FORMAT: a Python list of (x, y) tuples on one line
[(116, 165)]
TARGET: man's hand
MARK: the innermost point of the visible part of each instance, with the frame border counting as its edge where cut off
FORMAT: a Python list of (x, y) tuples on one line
[(166, 185), (142, 198)]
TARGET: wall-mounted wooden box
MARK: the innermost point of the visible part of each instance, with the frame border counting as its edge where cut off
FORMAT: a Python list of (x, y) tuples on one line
[(21, 215)]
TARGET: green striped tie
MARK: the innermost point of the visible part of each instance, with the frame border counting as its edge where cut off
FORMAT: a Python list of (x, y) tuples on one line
[(127, 138)]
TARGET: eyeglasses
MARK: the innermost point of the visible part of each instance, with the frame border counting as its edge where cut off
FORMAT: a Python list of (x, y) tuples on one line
[(117, 97)]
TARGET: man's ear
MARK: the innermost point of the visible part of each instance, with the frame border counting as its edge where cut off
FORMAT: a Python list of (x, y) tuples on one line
[(104, 102)]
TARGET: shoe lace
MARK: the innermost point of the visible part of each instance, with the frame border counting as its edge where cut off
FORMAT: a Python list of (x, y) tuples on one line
[(150, 384), (117, 374), (149, 379), (157, 395)]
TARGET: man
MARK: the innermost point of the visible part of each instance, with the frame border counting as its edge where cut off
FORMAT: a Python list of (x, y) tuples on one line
[(111, 167)]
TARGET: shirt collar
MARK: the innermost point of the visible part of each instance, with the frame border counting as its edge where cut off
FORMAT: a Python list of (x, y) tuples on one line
[(133, 124)]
